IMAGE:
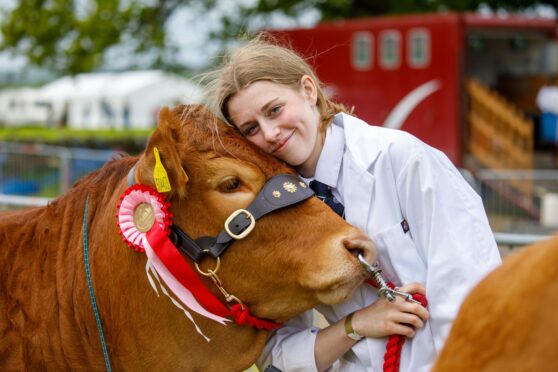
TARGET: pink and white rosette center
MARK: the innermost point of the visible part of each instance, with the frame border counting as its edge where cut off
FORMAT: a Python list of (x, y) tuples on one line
[(139, 208)]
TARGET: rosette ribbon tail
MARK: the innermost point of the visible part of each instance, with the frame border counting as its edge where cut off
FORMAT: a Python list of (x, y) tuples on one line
[(180, 278), (144, 218)]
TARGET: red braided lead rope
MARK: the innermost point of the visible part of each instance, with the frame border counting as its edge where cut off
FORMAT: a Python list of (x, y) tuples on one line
[(392, 357), (242, 316)]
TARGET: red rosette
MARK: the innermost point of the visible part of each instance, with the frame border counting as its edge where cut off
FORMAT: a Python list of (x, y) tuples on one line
[(139, 208)]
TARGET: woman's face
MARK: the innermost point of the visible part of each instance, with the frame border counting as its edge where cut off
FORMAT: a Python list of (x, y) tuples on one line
[(280, 120)]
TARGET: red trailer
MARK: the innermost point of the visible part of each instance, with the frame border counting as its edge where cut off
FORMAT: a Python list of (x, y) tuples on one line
[(424, 73)]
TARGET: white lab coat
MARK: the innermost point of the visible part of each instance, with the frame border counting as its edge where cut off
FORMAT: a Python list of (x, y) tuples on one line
[(384, 177)]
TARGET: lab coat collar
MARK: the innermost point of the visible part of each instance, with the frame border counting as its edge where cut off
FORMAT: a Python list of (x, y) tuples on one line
[(362, 136), (359, 187), (331, 157), (358, 182)]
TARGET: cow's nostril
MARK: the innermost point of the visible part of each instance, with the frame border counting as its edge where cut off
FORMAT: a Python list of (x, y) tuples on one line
[(356, 252), (363, 247), (353, 247)]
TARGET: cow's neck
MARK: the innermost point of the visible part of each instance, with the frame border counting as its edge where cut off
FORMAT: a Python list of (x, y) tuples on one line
[(143, 330)]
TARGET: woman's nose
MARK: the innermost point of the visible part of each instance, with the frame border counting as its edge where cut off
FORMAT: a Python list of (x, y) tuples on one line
[(270, 132)]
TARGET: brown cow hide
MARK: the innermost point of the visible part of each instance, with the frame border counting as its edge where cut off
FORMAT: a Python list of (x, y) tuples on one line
[(509, 322)]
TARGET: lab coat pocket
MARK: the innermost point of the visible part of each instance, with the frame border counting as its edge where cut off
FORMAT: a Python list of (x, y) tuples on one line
[(398, 255)]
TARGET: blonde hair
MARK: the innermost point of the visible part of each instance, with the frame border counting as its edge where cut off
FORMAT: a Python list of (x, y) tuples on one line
[(262, 58)]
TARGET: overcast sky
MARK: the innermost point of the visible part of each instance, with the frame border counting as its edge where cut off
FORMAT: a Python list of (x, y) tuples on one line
[(8, 63)]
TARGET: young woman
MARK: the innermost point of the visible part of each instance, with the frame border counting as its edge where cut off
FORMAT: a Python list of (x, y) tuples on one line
[(428, 225)]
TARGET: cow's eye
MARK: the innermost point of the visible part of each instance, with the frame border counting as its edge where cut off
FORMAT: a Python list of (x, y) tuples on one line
[(229, 184)]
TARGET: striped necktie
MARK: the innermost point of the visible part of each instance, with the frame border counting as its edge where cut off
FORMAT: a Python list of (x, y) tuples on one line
[(323, 192)]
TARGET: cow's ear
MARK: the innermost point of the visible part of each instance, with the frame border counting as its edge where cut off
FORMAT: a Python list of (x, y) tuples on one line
[(160, 165)]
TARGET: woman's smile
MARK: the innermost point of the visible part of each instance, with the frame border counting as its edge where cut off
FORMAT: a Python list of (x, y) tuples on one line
[(283, 144)]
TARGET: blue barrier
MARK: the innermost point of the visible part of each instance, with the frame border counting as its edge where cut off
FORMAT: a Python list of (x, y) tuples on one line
[(549, 127), (19, 187)]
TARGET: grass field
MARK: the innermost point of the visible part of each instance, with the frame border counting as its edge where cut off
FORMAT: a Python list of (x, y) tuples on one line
[(107, 138)]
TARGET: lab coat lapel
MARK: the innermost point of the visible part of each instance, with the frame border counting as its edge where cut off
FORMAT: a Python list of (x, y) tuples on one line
[(358, 193)]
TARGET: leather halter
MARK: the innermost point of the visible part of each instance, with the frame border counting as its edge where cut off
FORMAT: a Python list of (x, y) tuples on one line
[(279, 192)]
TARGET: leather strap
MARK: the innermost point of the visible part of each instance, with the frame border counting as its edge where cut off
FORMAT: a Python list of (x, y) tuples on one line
[(193, 249), (279, 192)]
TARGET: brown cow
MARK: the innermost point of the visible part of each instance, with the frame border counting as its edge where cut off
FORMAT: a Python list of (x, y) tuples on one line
[(293, 259), (509, 322)]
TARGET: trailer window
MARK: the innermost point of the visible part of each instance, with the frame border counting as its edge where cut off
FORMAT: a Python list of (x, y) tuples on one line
[(390, 49), (418, 48), (362, 51)]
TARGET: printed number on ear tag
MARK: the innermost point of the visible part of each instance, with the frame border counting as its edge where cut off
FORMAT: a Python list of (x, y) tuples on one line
[(160, 174)]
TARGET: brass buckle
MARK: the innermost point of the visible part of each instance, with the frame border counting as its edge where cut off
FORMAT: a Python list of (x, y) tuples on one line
[(248, 229)]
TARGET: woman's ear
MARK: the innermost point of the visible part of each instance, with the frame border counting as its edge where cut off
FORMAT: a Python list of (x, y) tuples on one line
[(309, 88)]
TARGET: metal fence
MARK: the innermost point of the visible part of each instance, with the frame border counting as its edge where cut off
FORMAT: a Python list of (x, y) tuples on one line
[(30, 174), (522, 205), (520, 201)]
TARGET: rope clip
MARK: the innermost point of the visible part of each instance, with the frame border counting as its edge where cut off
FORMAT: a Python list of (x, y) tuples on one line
[(384, 291)]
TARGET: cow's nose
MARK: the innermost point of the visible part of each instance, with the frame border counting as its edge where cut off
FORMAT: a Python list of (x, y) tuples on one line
[(362, 245)]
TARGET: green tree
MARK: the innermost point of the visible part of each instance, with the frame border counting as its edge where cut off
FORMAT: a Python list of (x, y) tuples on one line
[(72, 36)]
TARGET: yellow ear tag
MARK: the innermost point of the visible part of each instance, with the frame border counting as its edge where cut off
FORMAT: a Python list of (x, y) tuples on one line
[(160, 174)]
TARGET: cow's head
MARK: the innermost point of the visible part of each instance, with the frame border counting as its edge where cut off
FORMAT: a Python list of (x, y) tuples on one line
[(294, 257)]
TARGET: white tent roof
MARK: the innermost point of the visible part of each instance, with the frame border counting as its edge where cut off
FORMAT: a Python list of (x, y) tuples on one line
[(104, 84)]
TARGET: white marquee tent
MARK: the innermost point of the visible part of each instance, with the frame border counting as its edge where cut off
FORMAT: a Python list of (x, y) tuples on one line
[(99, 100), (19, 106)]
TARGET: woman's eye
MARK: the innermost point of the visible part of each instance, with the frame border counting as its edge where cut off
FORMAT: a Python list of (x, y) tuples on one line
[(250, 130), (275, 110), (230, 184)]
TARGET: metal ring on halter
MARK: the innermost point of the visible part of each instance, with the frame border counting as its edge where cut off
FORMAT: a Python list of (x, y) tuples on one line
[(248, 229), (209, 272)]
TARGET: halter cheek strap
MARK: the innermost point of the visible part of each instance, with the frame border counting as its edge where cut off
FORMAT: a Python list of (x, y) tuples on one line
[(279, 192)]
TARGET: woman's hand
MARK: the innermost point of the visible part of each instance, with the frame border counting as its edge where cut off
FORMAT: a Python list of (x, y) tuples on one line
[(384, 318)]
